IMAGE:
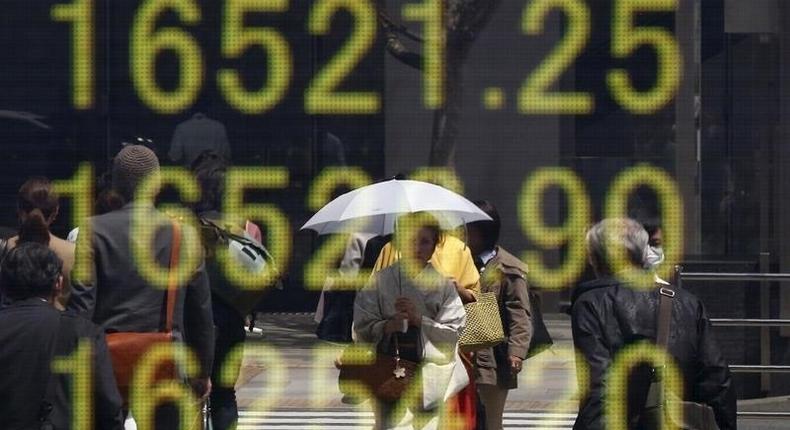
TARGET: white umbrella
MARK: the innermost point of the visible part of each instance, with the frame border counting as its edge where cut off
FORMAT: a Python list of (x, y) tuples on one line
[(374, 208)]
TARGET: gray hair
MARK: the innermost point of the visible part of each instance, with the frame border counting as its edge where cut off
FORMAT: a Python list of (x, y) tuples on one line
[(615, 235)]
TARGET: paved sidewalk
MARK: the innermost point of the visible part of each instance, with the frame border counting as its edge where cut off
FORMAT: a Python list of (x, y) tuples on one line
[(308, 377)]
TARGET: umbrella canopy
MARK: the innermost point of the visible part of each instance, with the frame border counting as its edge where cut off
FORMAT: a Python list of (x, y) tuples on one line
[(374, 208)]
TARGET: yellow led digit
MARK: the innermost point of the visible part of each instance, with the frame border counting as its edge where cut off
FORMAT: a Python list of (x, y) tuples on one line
[(431, 13), (147, 43), (83, 62), (278, 230), (324, 261), (442, 176), (321, 96), (615, 397), (534, 97), (236, 39), (80, 189), (79, 364), (616, 206), (330, 179), (571, 233), (626, 39), (146, 392), (145, 228)]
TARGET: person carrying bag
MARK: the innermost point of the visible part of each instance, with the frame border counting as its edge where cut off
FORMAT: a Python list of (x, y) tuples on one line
[(128, 348)]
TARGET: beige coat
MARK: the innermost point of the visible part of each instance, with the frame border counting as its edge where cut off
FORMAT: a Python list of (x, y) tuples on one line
[(506, 276)]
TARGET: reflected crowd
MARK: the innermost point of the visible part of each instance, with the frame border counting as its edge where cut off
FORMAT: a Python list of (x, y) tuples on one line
[(136, 315)]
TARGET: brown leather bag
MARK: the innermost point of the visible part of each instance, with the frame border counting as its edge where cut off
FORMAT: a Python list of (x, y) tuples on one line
[(386, 377), (127, 348)]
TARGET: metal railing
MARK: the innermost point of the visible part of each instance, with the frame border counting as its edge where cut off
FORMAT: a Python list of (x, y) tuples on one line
[(764, 323)]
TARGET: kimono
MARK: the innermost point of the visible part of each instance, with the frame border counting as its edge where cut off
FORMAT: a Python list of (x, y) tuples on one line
[(443, 319)]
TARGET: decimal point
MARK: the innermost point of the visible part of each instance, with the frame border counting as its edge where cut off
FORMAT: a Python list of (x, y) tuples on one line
[(494, 98)]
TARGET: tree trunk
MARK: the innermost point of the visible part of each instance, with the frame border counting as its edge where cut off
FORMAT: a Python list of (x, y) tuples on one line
[(464, 19)]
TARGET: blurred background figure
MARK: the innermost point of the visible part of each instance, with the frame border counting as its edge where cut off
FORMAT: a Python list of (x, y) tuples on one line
[(195, 136)]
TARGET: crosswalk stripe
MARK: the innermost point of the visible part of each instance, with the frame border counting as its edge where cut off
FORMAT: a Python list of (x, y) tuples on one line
[(359, 420), (370, 414)]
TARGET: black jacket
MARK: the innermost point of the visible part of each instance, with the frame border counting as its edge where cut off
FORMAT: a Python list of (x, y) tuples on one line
[(27, 332), (608, 315)]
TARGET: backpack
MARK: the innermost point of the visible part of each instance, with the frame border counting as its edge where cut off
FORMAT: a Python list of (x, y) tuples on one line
[(250, 254)]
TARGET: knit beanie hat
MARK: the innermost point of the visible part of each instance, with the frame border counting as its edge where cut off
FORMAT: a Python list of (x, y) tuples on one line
[(133, 164)]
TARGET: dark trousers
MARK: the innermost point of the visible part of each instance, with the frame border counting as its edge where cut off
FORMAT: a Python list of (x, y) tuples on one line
[(229, 334)]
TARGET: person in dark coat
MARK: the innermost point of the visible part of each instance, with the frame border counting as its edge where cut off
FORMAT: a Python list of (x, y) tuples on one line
[(32, 331), (609, 314), (195, 136), (497, 368), (117, 295)]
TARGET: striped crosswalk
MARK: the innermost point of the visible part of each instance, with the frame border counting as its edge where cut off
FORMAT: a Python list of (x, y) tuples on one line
[(352, 420)]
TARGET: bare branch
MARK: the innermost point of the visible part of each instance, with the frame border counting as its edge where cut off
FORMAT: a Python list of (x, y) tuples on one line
[(395, 45), (391, 26), (398, 50)]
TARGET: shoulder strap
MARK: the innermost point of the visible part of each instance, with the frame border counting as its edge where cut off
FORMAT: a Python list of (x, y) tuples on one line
[(172, 282), (655, 393), (665, 296)]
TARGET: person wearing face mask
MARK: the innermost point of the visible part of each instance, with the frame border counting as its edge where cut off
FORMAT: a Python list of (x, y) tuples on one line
[(655, 251)]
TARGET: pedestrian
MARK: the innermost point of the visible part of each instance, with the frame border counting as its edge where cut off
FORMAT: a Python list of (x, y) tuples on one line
[(497, 368), (453, 260), (610, 313), (409, 310), (117, 295), (195, 136), (229, 303), (32, 333), (37, 209)]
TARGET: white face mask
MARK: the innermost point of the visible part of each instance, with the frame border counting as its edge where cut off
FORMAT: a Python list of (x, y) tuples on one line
[(655, 256)]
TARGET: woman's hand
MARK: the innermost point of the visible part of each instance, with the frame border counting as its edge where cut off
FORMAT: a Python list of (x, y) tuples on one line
[(515, 363), (466, 295), (405, 306)]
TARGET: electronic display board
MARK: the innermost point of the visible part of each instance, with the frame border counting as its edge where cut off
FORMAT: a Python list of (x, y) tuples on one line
[(563, 112)]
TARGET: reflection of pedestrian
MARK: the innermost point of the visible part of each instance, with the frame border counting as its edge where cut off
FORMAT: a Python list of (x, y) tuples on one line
[(196, 135), (209, 170), (410, 311), (497, 368), (37, 208), (609, 314), (32, 331), (117, 296)]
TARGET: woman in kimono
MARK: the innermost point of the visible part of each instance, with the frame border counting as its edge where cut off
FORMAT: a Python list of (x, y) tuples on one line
[(409, 308)]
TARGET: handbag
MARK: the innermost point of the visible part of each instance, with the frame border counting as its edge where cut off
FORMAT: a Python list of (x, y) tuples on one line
[(483, 324), (659, 406), (386, 377), (541, 339), (128, 348)]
